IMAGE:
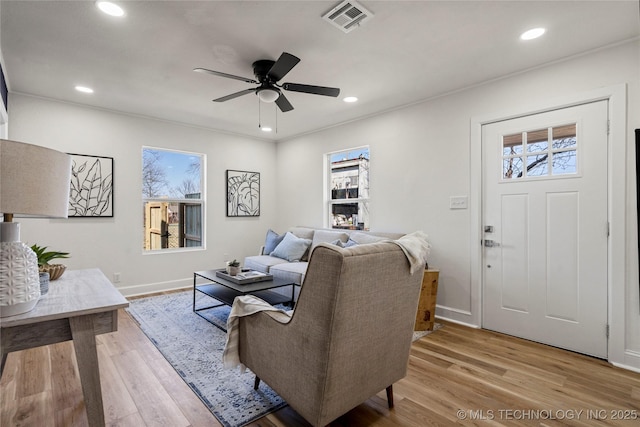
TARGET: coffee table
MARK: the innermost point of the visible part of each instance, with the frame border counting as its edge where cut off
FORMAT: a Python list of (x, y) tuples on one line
[(225, 291)]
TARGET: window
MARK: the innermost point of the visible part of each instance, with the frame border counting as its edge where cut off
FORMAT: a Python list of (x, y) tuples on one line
[(348, 189), (172, 198), (545, 152)]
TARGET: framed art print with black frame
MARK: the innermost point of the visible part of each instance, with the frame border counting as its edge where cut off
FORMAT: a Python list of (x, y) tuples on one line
[(243, 193), (91, 193)]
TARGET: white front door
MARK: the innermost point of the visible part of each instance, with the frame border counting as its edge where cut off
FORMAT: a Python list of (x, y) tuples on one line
[(546, 227)]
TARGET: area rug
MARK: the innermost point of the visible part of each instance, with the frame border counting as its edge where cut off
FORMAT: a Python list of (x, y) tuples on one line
[(194, 347), (419, 334)]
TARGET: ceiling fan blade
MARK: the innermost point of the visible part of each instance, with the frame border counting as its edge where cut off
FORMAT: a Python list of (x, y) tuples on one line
[(234, 95), (229, 76), (316, 90), (283, 103), (283, 65)]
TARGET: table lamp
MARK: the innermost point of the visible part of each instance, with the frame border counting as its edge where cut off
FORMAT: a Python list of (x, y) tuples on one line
[(34, 182)]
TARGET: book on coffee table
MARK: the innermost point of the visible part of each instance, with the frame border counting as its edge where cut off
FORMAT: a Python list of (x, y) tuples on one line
[(245, 277)]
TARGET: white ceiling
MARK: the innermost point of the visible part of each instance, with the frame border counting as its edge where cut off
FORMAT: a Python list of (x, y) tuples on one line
[(409, 51)]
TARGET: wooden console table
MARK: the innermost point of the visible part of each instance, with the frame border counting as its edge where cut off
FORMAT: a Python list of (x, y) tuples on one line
[(79, 306), (425, 317)]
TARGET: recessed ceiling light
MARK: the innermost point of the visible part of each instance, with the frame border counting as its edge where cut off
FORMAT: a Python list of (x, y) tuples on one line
[(533, 33), (110, 8), (266, 129), (350, 99), (84, 89)]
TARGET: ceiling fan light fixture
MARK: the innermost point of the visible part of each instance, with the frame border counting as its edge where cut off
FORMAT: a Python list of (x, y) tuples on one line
[(268, 94)]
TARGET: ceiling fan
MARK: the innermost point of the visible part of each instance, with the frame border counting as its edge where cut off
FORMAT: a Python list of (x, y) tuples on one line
[(268, 73)]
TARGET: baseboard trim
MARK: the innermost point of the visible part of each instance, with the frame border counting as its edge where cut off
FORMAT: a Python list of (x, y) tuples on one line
[(627, 367), (462, 317), (151, 288), (458, 322), (630, 361)]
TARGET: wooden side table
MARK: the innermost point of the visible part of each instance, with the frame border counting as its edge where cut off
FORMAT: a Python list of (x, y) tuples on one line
[(79, 306), (425, 317)]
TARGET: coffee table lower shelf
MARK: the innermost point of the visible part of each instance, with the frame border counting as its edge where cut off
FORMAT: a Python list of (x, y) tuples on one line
[(225, 292)]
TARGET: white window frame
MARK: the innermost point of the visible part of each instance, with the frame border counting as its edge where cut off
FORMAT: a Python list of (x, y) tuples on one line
[(200, 201), (330, 202), (550, 150)]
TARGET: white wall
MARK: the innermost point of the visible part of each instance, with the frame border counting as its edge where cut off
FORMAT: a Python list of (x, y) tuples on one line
[(115, 244), (420, 156)]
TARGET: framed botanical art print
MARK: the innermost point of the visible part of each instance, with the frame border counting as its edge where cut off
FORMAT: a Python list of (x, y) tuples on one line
[(243, 193), (91, 193)]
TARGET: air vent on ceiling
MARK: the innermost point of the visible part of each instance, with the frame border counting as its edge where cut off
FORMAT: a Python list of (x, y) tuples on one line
[(348, 15)]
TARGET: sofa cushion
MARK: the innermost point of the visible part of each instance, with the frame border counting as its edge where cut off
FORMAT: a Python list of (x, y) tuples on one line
[(328, 236), (272, 240), (291, 271), (303, 232), (262, 263), (291, 248), (363, 238), (346, 244)]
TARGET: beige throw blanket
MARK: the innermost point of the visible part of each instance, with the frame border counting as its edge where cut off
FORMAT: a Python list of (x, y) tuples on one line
[(244, 306), (416, 248)]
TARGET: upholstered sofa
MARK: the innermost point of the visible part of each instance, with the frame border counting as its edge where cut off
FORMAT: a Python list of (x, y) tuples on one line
[(287, 257)]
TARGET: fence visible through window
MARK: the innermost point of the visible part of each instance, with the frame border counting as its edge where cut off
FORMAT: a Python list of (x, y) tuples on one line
[(173, 200)]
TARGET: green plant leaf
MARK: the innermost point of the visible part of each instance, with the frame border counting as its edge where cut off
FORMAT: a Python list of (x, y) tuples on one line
[(45, 256)]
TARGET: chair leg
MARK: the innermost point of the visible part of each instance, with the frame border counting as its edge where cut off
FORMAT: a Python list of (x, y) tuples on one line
[(390, 396), (256, 383)]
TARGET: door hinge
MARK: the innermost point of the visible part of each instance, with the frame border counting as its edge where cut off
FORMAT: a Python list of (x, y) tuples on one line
[(607, 331), (608, 229), (608, 126)]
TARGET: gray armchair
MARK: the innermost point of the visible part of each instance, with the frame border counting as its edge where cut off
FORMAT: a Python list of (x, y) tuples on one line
[(349, 336)]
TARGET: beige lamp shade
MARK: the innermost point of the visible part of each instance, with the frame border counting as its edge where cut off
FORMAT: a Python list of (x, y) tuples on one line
[(34, 180)]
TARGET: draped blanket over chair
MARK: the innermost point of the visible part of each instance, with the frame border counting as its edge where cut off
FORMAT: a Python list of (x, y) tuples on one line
[(349, 336)]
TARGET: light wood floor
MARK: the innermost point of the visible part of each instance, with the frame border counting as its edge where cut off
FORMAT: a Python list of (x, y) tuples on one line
[(454, 373)]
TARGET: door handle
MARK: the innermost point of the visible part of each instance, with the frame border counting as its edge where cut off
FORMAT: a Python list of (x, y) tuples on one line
[(490, 243)]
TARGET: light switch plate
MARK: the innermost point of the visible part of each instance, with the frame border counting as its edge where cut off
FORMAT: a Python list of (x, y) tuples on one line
[(458, 202)]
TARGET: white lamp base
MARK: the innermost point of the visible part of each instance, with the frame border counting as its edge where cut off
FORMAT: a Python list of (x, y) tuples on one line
[(19, 308), (19, 277)]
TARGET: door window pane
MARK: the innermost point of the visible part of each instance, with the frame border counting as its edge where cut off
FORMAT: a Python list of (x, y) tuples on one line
[(564, 162), (512, 144), (537, 146), (558, 144), (564, 137), (512, 168), (538, 165), (539, 135)]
